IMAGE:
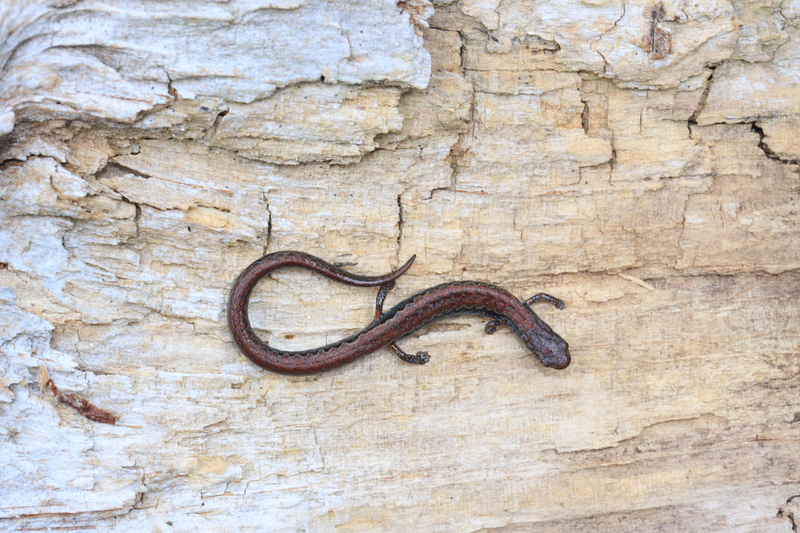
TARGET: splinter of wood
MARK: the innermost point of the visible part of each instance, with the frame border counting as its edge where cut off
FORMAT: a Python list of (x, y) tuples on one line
[(95, 414)]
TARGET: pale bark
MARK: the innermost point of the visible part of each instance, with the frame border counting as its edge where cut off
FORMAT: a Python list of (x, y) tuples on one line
[(638, 160)]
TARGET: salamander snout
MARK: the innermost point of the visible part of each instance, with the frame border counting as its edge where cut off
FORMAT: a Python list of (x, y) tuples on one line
[(559, 360), (552, 352)]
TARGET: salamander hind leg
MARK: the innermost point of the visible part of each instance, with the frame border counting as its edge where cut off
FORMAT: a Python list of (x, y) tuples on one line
[(542, 297), (420, 358), (492, 326), (384, 290)]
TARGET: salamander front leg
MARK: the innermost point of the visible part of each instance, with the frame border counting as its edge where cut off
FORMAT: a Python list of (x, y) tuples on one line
[(492, 325), (542, 297), (420, 358)]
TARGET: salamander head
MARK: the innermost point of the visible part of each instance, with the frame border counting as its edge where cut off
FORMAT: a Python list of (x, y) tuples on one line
[(552, 350)]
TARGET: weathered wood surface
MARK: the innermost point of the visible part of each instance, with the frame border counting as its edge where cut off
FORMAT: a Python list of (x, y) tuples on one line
[(637, 159)]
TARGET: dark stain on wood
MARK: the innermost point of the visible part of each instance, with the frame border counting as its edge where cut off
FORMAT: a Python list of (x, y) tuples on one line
[(658, 40)]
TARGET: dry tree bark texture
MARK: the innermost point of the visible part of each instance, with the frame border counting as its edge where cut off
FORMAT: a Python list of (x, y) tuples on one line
[(636, 158)]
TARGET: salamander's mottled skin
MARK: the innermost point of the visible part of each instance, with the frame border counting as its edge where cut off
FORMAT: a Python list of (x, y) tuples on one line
[(399, 321)]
